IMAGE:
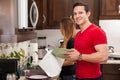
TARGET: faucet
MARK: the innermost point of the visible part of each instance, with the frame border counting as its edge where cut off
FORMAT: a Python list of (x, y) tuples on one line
[(111, 49)]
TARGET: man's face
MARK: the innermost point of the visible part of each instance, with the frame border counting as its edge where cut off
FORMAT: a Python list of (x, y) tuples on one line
[(80, 16)]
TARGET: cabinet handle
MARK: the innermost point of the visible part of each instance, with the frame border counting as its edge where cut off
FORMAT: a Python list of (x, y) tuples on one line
[(118, 9), (71, 16), (34, 14), (44, 19), (119, 69)]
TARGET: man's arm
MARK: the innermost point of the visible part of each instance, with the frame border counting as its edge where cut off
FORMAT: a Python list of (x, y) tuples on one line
[(101, 54)]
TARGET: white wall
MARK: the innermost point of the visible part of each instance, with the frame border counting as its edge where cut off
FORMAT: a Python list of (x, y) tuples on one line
[(112, 29)]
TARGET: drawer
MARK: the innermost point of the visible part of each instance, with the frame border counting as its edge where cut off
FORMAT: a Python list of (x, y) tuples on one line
[(110, 68)]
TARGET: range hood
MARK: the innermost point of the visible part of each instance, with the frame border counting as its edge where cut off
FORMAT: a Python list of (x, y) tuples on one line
[(9, 23)]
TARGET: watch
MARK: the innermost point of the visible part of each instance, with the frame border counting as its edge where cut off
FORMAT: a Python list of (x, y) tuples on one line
[(80, 57)]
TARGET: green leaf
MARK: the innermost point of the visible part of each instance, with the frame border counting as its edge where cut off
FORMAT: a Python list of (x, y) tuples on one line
[(22, 52), (11, 54), (17, 55), (3, 56)]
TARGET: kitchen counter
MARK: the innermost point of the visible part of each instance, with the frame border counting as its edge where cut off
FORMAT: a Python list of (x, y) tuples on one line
[(113, 58), (112, 62), (54, 78)]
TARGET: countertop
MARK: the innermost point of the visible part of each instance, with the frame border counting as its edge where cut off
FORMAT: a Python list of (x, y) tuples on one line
[(112, 62), (108, 62), (113, 58)]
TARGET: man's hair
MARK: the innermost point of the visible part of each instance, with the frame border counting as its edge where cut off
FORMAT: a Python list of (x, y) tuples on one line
[(82, 4)]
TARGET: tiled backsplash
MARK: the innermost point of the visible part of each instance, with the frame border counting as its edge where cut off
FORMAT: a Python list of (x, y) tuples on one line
[(112, 29), (27, 46), (7, 48), (52, 36)]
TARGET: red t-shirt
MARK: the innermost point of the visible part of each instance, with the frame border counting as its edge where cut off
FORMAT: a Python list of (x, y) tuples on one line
[(85, 43)]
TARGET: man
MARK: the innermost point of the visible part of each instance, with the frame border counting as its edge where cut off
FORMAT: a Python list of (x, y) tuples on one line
[(90, 47)]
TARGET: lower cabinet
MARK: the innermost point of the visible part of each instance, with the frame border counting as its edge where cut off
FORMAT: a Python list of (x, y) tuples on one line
[(110, 71)]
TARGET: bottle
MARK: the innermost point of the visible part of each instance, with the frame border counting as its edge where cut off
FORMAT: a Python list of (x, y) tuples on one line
[(35, 59)]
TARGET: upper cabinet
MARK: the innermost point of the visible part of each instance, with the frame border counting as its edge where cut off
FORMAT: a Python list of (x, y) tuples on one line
[(35, 14), (109, 9), (52, 11), (57, 9)]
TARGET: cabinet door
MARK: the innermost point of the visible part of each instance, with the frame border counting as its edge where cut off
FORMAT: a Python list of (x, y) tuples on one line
[(110, 71), (39, 4), (110, 9), (57, 9)]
